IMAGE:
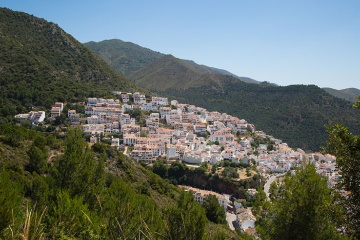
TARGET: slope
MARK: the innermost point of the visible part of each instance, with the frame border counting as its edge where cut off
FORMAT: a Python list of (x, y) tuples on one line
[(124, 57), (40, 64), (88, 193), (296, 114), (137, 63), (349, 94)]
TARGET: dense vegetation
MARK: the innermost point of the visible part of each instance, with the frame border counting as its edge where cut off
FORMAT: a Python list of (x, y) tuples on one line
[(346, 147), (59, 189), (295, 114), (302, 207), (40, 64)]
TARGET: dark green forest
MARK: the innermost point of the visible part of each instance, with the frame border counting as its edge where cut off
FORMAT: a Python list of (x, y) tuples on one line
[(296, 114)]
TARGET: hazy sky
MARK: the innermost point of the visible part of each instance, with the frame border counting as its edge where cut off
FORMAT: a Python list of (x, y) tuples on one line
[(281, 41)]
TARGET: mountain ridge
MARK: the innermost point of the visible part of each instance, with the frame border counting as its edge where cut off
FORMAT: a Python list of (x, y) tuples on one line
[(135, 61)]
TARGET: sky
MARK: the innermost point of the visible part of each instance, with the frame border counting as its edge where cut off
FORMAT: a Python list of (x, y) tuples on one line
[(285, 42)]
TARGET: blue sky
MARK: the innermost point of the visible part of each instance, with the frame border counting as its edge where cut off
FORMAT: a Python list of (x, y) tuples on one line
[(281, 41)]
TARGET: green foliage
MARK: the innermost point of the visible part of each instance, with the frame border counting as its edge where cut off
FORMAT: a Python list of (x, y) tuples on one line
[(10, 199), (185, 226), (178, 171), (129, 215), (72, 200), (160, 169), (71, 218), (214, 212), (40, 191), (76, 171), (37, 160), (230, 172), (346, 147), (304, 209)]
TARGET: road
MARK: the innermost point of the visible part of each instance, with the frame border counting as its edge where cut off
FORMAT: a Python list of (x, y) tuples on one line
[(231, 219), (269, 182), (125, 151), (267, 185)]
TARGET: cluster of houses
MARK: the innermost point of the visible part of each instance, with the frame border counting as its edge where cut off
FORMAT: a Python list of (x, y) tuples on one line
[(177, 131), (191, 134), (184, 132), (188, 133), (200, 195), (245, 220), (36, 117)]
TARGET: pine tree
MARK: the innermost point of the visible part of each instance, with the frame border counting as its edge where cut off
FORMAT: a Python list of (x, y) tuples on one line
[(346, 147), (304, 208), (214, 212)]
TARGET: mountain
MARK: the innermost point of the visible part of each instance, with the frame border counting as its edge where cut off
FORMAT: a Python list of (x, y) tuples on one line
[(349, 94), (137, 63), (124, 57), (297, 114), (40, 64)]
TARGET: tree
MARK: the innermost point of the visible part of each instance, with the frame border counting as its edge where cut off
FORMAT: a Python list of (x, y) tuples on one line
[(70, 218), (346, 147), (214, 212), (177, 170), (186, 220), (77, 171), (10, 200), (160, 169), (304, 209), (37, 160)]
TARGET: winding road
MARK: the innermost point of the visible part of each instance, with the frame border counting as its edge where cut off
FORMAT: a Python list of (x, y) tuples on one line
[(269, 182)]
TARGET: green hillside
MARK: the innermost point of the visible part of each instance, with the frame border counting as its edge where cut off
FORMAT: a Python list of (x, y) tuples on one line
[(40, 64), (54, 188), (138, 64), (349, 94), (124, 57), (296, 114)]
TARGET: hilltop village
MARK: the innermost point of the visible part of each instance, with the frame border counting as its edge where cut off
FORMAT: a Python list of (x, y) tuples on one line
[(152, 128)]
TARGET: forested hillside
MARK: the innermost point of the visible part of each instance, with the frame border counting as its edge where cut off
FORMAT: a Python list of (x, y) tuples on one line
[(52, 188), (124, 57), (40, 64), (296, 114)]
